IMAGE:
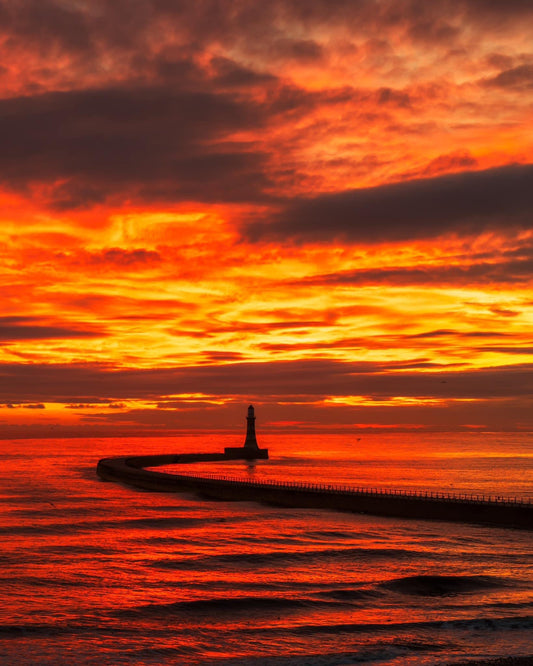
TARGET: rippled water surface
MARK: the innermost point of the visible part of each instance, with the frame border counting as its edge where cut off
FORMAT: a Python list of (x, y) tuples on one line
[(98, 573)]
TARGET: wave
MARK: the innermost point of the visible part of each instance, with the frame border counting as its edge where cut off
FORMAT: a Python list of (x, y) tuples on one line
[(351, 594), (98, 525), (257, 559), (157, 523), (46, 629), (225, 604), (36, 581), (76, 549), (162, 655), (368, 654), (328, 534), (522, 622), (165, 540), (439, 586)]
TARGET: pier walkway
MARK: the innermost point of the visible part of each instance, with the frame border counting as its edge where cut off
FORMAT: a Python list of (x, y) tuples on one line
[(498, 511)]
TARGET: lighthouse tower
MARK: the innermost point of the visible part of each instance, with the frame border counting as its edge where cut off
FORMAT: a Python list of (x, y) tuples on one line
[(249, 450), (251, 441)]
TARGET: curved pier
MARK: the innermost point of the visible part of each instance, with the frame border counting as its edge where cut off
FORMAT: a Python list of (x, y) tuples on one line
[(396, 504)]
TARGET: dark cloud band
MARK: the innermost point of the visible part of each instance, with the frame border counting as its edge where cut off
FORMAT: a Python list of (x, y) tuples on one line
[(466, 203), (319, 378)]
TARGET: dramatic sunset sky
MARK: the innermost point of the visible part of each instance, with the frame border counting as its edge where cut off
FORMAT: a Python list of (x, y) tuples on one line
[(322, 207)]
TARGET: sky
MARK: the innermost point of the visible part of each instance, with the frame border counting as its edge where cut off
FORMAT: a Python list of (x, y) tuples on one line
[(321, 207)]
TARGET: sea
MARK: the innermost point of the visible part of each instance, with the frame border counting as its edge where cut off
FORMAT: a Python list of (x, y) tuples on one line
[(94, 572)]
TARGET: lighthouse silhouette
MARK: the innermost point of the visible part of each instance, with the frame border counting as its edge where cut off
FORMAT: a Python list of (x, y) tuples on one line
[(251, 440), (250, 449)]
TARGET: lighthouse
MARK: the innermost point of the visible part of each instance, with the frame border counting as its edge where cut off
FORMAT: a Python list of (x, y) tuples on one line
[(249, 450), (251, 441)]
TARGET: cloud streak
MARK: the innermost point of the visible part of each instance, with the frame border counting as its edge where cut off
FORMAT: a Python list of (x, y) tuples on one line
[(320, 377), (22, 328), (468, 203)]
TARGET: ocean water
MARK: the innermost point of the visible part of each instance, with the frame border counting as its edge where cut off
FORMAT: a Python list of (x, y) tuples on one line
[(93, 572)]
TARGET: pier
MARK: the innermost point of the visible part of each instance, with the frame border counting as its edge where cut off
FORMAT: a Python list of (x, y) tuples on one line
[(504, 512), (496, 511)]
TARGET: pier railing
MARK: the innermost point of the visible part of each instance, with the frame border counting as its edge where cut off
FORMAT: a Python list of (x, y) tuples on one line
[(513, 512), (341, 489)]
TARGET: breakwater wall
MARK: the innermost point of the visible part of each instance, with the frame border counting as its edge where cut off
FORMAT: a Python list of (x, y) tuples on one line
[(397, 504)]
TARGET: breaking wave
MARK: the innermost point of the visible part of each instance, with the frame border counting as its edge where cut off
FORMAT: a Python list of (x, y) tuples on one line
[(437, 586)]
